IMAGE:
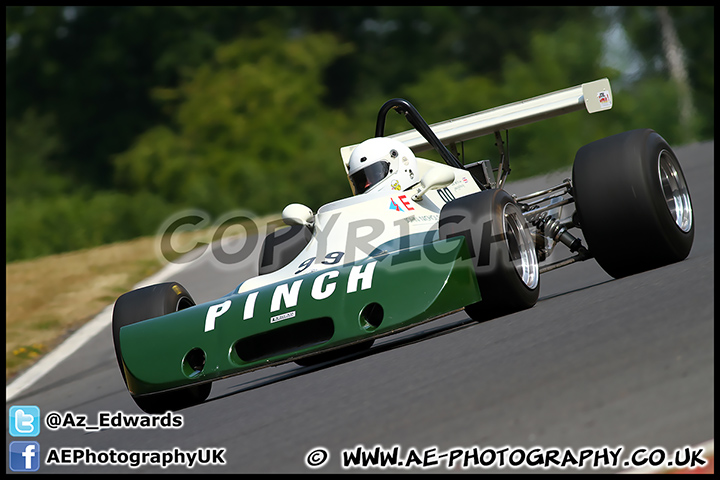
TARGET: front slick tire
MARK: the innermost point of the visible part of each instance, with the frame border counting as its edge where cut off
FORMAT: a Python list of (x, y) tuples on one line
[(150, 302), (633, 203), (502, 251)]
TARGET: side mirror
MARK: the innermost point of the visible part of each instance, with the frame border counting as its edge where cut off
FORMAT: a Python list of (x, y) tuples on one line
[(436, 178), (298, 214)]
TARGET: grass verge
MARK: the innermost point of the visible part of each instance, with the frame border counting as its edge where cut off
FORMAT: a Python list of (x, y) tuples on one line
[(49, 298)]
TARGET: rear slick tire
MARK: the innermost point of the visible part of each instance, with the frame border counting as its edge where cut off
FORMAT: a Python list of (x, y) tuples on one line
[(633, 202)]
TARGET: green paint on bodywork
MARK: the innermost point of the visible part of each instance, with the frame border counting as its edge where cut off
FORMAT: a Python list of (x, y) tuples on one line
[(409, 286)]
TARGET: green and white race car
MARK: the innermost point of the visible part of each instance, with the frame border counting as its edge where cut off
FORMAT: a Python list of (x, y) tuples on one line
[(418, 240)]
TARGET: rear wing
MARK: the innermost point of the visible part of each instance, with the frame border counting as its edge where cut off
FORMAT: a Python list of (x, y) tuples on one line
[(594, 96)]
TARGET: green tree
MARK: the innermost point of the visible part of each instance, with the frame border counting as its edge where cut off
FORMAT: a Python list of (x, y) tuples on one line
[(138, 110), (29, 142), (92, 69), (669, 39), (249, 130)]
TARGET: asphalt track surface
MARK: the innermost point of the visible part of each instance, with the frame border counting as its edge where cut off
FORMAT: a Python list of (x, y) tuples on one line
[(597, 363)]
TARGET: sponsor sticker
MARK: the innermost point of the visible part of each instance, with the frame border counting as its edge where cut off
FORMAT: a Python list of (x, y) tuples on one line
[(401, 202), (284, 316), (604, 99)]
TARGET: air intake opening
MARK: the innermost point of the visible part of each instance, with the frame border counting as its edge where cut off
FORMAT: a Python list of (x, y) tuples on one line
[(193, 363), (371, 316), (285, 339)]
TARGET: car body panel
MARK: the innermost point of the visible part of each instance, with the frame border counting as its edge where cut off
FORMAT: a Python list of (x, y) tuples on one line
[(358, 226), (410, 285)]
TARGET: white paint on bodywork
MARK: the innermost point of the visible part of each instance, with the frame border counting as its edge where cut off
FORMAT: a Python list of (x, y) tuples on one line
[(357, 225)]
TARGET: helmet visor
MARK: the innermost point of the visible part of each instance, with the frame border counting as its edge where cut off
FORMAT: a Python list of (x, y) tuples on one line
[(363, 179)]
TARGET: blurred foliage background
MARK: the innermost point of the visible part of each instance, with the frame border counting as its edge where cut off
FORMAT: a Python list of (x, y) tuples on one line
[(117, 117)]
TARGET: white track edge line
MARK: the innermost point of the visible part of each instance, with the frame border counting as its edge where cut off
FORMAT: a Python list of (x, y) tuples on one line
[(79, 338)]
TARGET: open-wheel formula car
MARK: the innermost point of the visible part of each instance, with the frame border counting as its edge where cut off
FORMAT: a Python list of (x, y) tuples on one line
[(418, 240)]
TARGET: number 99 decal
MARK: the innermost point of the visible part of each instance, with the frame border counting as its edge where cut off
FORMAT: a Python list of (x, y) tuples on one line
[(330, 259)]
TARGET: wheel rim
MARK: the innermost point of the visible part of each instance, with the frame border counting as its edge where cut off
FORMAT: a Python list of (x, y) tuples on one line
[(520, 246), (677, 196)]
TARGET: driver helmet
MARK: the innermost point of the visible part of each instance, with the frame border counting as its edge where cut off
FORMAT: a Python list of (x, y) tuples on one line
[(382, 164)]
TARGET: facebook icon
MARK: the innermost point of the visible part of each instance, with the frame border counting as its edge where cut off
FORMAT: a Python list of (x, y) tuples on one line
[(24, 456)]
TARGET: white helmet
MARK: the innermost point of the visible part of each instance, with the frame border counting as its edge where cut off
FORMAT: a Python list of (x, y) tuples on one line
[(382, 164)]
